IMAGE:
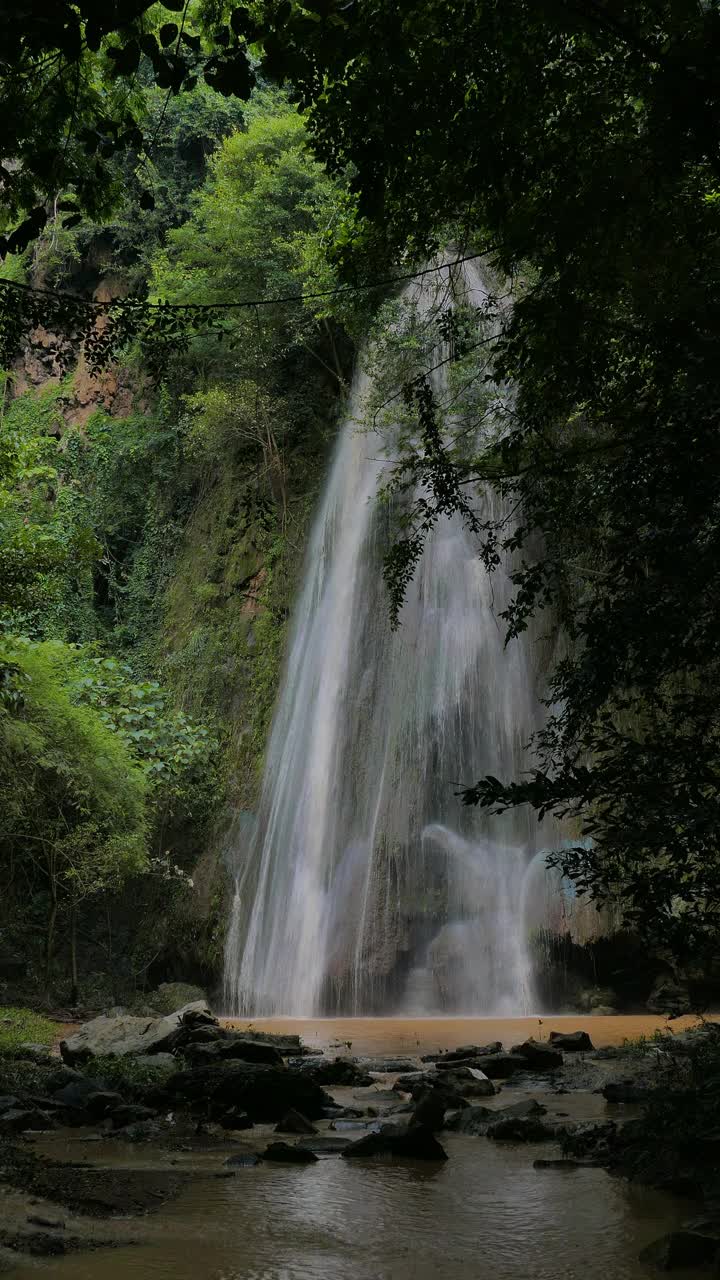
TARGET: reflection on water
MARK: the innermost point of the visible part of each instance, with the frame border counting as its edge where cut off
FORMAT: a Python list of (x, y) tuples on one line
[(486, 1213)]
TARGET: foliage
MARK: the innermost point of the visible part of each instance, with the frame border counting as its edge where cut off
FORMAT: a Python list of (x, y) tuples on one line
[(72, 101), (37, 539), (127, 1074), (23, 1026), (577, 145)]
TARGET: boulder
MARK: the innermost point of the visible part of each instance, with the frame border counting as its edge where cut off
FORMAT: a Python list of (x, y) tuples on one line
[(294, 1122), (63, 1076), (571, 1041), (265, 1093), (125, 1037), (417, 1142), (131, 1113), (463, 1053), (540, 1056), (520, 1129), (476, 1120), (430, 1110), (245, 1161), (236, 1119), (284, 1153), (250, 1051), (470, 1082), (499, 1066), (20, 1119), (33, 1052), (326, 1144), (8, 1102), (288, 1045), (337, 1071), (681, 1250), (629, 1091)]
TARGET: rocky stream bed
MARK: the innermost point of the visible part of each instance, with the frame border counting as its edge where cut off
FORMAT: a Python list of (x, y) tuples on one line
[(95, 1141)]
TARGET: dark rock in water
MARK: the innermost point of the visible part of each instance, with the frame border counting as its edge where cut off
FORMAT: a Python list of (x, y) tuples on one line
[(378, 1097), (571, 1041), (282, 1152), (520, 1129), (77, 1092), (351, 1126), (414, 1143), (236, 1119), (384, 1065), (248, 1161), (407, 1082), (8, 1103), (251, 1051), (541, 1056), (326, 1144), (498, 1066), (469, 1081), (266, 1093), (342, 1113), (466, 1053), (338, 1071), (206, 1034), (21, 1119), (131, 1113), (101, 1103), (477, 1120), (629, 1091), (53, 1224), (430, 1110), (294, 1122), (681, 1250)]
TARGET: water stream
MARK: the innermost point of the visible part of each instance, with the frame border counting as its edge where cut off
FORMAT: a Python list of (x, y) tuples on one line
[(366, 887)]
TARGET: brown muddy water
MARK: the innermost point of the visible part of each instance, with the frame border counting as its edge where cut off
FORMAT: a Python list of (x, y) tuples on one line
[(486, 1214)]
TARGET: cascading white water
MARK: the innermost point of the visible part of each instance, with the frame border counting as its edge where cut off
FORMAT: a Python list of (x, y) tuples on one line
[(367, 887)]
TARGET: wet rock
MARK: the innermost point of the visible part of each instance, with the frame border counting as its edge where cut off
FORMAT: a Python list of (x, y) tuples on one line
[(54, 1224), (265, 1093), (248, 1161), (629, 1090), (335, 1071), (681, 1250), (416, 1142), (539, 1055), (326, 1144), (126, 1036), (287, 1045), (571, 1041), (378, 1097), (464, 1053), (430, 1110), (499, 1066), (428, 1079), (294, 1122), (520, 1129), (236, 1119), (22, 1119), (8, 1103), (470, 1082), (251, 1051), (131, 1113), (344, 1113), (476, 1120), (284, 1153), (384, 1065)]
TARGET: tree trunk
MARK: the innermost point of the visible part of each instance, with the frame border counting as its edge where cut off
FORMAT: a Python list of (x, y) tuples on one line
[(50, 942), (74, 995)]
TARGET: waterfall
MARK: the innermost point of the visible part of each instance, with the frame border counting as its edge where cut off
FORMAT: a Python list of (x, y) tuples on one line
[(367, 887)]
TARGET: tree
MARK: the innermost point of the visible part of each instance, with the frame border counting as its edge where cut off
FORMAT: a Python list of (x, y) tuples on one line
[(72, 101)]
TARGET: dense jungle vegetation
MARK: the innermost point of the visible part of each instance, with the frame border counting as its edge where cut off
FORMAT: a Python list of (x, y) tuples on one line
[(155, 485)]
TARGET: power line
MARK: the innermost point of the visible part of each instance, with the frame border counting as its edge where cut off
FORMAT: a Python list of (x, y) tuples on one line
[(245, 303)]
